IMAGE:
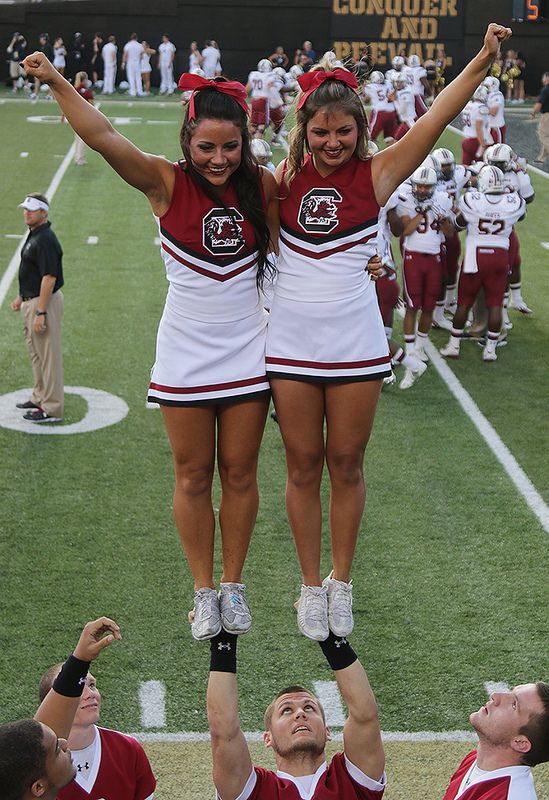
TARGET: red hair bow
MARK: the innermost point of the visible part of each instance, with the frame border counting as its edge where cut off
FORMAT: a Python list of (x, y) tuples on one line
[(311, 80), (194, 83)]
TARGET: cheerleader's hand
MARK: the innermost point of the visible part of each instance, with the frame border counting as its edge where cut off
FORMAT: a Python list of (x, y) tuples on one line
[(495, 35), (375, 268), (37, 65)]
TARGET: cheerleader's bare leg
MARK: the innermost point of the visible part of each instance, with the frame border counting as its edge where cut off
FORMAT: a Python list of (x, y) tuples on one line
[(192, 437), (300, 410), (350, 412), (239, 432)]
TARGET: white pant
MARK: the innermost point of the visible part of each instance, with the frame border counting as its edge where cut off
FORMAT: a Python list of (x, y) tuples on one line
[(166, 77), (109, 78), (133, 71)]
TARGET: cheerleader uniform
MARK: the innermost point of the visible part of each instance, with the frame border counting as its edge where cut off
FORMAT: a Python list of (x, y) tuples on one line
[(211, 340), (325, 324), (59, 57)]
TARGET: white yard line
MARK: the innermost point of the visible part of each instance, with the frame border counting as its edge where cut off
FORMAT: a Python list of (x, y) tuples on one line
[(494, 686), (545, 244), (328, 694), (507, 460), (92, 240), (257, 736), (13, 266), (152, 702)]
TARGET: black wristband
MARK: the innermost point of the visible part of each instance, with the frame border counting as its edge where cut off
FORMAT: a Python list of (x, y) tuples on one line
[(223, 652), (70, 681), (339, 653)]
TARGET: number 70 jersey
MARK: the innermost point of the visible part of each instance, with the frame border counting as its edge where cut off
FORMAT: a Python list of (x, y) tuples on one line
[(490, 217)]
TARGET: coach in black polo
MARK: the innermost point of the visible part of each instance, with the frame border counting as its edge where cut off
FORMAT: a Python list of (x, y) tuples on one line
[(41, 303)]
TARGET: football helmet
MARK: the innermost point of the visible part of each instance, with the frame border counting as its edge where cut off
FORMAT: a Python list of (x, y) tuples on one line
[(480, 94), (296, 71), (491, 180), (499, 155), (491, 83), (261, 148), (398, 63), (413, 61), (264, 65), (446, 161), (424, 183), (377, 77)]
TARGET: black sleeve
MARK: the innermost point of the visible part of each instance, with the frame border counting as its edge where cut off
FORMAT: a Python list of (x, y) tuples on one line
[(49, 257)]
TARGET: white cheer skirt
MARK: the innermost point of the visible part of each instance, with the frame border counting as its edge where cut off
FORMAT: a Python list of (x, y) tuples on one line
[(199, 363), (341, 340)]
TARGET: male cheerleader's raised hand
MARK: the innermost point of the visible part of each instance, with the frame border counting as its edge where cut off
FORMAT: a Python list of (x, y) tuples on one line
[(61, 703)]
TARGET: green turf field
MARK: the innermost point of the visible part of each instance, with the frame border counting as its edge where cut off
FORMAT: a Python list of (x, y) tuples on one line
[(451, 572)]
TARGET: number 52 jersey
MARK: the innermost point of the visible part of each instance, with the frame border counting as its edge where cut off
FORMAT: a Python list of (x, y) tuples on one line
[(490, 219)]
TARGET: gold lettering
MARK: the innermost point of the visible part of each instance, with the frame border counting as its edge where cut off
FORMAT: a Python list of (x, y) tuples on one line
[(357, 6), (393, 7), (357, 48), (341, 7), (428, 28), (409, 28), (448, 8), (390, 28), (342, 50), (430, 8), (411, 7), (375, 7), (378, 50), (416, 49)]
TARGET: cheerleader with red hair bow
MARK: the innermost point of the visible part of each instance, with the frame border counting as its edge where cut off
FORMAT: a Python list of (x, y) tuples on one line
[(326, 348), (213, 208)]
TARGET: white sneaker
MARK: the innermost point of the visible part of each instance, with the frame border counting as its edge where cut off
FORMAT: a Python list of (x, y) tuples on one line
[(390, 380), (312, 612), (449, 351), (410, 377), (205, 618), (235, 614), (442, 323), (340, 605), (520, 305), (489, 355), (451, 307), (421, 355)]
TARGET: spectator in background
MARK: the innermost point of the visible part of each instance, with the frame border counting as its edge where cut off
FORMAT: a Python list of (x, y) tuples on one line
[(131, 62), (59, 55), (211, 59), (542, 107), (45, 47), (166, 56), (146, 68), (440, 66), (108, 56), (195, 57), (16, 52), (305, 56), (518, 83), (96, 61), (79, 56), (40, 302), (279, 58)]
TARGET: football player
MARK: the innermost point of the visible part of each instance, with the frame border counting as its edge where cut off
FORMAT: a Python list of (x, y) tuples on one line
[(259, 83), (383, 118), (476, 127)]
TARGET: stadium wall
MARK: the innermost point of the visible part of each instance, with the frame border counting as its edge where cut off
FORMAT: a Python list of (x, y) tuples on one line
[(247, 30)]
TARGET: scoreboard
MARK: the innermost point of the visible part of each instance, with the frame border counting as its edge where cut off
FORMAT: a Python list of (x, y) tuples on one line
[(530, 10)]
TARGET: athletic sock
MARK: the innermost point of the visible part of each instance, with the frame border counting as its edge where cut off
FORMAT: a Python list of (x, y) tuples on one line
[(409, 343), (455, 338), (491, 341), (516, 295), (421, 341)]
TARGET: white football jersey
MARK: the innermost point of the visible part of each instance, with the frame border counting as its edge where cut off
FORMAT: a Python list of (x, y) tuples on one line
[(166, 51), (519, 181), (490, 219), (455, 185), (378, 96), (428, 237), (392, 74), (405, 105), (472, 112), (497, 100), (414, 75), (260, 83)]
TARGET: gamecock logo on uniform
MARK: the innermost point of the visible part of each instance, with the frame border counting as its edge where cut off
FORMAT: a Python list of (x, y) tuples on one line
[(222, 233), (318, 210)]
